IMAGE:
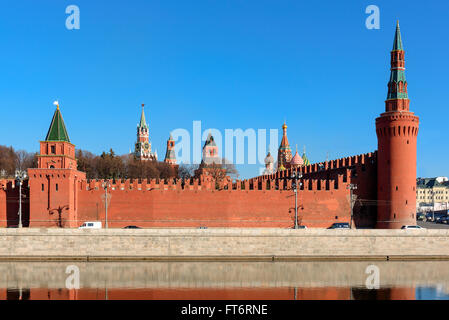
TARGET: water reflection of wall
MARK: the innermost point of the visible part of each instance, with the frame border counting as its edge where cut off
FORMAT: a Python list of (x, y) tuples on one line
[(224, 274), (221, 280), (209, 294)]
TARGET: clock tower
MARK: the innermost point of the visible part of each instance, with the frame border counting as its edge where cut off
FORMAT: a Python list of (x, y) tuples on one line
[(142, 149)]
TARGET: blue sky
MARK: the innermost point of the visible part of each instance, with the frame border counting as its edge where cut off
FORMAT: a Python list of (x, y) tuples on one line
[(231, 64)]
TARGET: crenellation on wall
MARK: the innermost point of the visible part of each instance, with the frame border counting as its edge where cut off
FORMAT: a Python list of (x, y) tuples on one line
[(321, 185)]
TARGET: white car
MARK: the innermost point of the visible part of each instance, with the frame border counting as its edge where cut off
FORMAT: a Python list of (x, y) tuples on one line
[(91, 225), (411, 227)]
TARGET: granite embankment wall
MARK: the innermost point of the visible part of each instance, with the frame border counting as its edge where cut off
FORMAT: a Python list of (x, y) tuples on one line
[(222, 244)]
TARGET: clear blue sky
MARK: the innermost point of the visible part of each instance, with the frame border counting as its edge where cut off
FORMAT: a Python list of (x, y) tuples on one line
[(231, 64)]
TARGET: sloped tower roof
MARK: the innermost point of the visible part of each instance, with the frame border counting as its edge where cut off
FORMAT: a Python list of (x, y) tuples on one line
[(284, 142), (304, 158), (143, 122), (397, 73), (170, 154), (210, 142), (397, 43), (57, 130)]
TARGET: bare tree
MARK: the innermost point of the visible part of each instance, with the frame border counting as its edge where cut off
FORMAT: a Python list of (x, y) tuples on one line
[(187, 171), (24, 160), (219, 170)]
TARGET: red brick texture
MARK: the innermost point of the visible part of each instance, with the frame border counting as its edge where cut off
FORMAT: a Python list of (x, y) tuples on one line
[(163, 205)]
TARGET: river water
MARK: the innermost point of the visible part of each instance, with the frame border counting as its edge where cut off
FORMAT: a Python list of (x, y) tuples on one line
[(336, 280)]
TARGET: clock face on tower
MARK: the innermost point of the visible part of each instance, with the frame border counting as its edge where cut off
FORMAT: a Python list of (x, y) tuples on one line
[(146, 146)]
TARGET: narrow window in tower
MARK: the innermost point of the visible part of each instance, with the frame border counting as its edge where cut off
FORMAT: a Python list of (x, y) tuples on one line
[(394, 216), (43, 187), (53, 149), (408, 142), (396, 188), (406, 201), (57, 187)]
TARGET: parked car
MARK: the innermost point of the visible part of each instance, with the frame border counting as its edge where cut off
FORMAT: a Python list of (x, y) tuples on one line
[(411, 227), (421, 217), (132, 227), (435, 217), (340, 225), (91, 225), (444, 220)]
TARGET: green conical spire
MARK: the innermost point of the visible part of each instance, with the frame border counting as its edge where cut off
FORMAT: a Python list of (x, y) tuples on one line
[(397, 74), (397, 44), (143, 122), (57, 130), (304, 157)]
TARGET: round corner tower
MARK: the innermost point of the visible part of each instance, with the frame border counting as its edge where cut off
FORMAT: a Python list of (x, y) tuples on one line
[(397, 131)]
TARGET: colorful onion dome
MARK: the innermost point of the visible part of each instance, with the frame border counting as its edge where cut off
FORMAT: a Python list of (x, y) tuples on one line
[(269, 158), (297, 160)]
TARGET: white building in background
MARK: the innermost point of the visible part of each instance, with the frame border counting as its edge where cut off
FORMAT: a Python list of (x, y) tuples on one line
[(432, 194), (441, 179)]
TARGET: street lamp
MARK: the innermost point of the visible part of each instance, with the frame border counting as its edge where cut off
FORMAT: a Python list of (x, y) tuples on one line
[(20, 176), (433, 205), (105, 185), (296, 176), (351, 187)]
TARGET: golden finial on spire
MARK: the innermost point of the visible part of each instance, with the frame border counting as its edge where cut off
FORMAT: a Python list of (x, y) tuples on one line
[(56, 103)]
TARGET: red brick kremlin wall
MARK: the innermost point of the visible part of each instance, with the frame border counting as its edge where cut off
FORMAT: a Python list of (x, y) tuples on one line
[(242, 204), (360, 170), (68, 199), (9, 203)]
